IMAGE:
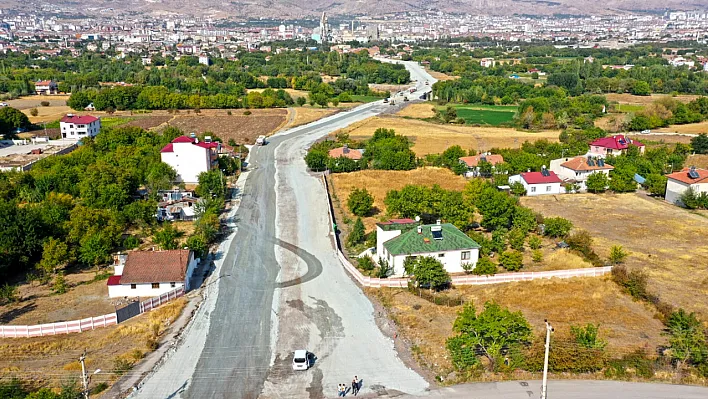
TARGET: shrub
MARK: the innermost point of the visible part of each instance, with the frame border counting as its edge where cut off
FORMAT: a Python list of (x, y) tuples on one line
[(537, 255), (384, 269), (229, 113), (357, 235), (565, 356), (121, 365), (535, 242), (60, 286), (618, 254), (98, 388), (360, 202), (34, 112), (633, 282), (365, 262), (512, 260), (557, 227), (131, 242), (587, 336), (635, 363), (247, 112), (44, 103), (485, 266), (8, 293), (516, 239), (581, 242)]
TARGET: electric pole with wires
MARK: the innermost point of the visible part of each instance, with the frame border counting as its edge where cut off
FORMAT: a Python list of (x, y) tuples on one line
[(84, 375), (544, 385)]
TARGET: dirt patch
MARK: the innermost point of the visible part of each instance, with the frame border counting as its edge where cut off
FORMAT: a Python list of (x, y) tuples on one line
[(699, 161), (691, 128), (244, 129), (295, 94), (440, 75), (388, 88), (432, 138), (305, 115), (625, 324), (380, 182), (662, 139), (663, 240), (149, 122), (418, 110), (643, 100)]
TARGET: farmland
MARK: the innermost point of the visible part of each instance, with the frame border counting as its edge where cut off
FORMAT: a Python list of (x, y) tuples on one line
[(691, 128), (645, 100), (432, 138), (663, 240), (492, 115), (56, 109), (239, 127)]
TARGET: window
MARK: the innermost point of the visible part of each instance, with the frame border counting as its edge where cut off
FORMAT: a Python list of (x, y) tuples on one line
[(465, 255), (548, 188), (441, 255), (155, 285), (133, 286), (173, 284), (533, 189)]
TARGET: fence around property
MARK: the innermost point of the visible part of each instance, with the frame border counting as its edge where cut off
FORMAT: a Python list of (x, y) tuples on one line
[(91, 323), (373, 282)]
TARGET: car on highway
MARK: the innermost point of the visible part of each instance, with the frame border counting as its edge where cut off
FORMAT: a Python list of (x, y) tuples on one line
[(301, 360)]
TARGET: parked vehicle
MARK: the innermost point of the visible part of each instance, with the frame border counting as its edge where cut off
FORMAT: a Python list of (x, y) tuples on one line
[(261, 140), (427, 83), (385, 100), (405, 98), (301, 360), (646, 131), (2, 105)]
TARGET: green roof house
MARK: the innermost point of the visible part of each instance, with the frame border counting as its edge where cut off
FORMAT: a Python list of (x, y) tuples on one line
[(398, 239)]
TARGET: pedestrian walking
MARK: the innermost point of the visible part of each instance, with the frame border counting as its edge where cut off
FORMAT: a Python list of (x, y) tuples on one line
[(342, 390), (355, 386)]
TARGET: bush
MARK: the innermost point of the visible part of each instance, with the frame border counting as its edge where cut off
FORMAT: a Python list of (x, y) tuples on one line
[(98, 388), (633, 282), (557, 227), (121, 365), (229, 113), (485, 266), (535, 242), (358, 234), (618, 254), (34, 112), (247, 112), (60, 286), (565, 357), (537, 256), (131, 242), (44, 103), (365, 262), (581, 242), (512, 260), (360, 202), (8, 293), (633, 364)]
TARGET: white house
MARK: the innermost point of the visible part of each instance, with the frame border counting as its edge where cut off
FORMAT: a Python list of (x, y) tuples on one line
[(46, 87), (577, 170), (76, 127), (487, 62), (189, 157), (538, 183), (204, 59), (679, 182), (399, 239), (151, 273)]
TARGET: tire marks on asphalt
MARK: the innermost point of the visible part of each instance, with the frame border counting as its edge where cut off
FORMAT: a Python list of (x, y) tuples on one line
[(314, 266)]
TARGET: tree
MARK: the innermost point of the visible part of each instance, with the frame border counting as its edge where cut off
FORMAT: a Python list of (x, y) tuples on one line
[(516, 238), (55, 254), (316, 160), (301, 101), (485, 266), (597, 182), (360, 202), (450, 114), (212, 184), (517, 189), (428, 271), (700, 144), (557, 227), (618, 254), (490, 333), (537, 255), (95, 249), (60, 286), (497, 208), (365, 263), (384, 269), (450, 158), (357, 235), (12, 119), (167, 237), (641, 88), (687, 339), (535, 242), (512, 260), (656, 184)]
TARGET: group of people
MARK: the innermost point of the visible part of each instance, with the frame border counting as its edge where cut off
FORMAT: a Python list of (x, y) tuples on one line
[(342, 388)]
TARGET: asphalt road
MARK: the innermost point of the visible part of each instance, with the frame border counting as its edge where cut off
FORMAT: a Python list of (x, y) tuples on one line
[(227, 351)]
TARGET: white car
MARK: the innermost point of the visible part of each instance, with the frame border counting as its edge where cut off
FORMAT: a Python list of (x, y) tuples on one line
[(261, 140), (2, 105), (646, 131), (301, 360)]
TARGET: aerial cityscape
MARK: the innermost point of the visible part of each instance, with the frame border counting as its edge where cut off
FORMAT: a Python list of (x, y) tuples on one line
[(272, 199)]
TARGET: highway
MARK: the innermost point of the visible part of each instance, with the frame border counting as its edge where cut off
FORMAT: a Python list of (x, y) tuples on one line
[(279, 287)]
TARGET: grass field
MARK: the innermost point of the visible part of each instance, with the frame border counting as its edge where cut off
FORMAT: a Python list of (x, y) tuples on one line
[(644, 100), (662, 239), (626, 108), (365, 99), (691, 128), (626, 325), (493, 115), (418, 110), (699, 161), (432, 138)]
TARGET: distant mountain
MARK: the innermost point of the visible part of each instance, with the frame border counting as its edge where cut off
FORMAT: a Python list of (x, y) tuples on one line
[(288, 9)]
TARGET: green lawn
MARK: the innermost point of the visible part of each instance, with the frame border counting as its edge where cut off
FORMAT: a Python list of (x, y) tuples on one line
[(478, 114), (108, 121), (629, 108), (365, 99)]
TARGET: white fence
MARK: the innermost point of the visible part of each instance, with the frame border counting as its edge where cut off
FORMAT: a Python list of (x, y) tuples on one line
[(64, 327), (91, 323), (373, 282)]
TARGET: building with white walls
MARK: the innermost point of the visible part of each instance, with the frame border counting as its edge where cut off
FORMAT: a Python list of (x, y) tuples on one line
[(77, 127), (399, 239), (538, 183), (189, 157), (151, 273), (577, 170), (689, 178)]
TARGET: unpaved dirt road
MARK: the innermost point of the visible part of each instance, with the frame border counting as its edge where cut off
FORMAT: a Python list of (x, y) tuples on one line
[(278, 286)]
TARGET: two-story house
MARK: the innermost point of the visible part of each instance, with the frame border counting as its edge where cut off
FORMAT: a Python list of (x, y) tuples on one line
[(577, 170), (613, 145), (189, 157), (76, 127), (46, 87)]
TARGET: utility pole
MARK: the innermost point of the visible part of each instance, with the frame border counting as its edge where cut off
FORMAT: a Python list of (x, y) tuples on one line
[(84, 375), (544, 385)]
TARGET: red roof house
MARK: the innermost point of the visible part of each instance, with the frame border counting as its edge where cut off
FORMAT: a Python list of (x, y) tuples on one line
[(613, 145), (345, 151), (538, 183), (79, 119), (678, 183), (151, 273)]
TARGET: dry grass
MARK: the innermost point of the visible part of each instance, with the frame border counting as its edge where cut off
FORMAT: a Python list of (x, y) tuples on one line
[(440, 75), (55, 359), (56, 109), (643, 100), (666, 241), (39, 305), (295, 94), (670, 139), (305, 115), (388, 87), (242, 128), (625, 324), (691, 128), (699, 161), (418, 110), (379, 182), (431, 138)]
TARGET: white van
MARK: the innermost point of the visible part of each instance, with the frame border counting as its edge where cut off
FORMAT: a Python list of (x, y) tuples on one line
[(261, 140), (301, 360)]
